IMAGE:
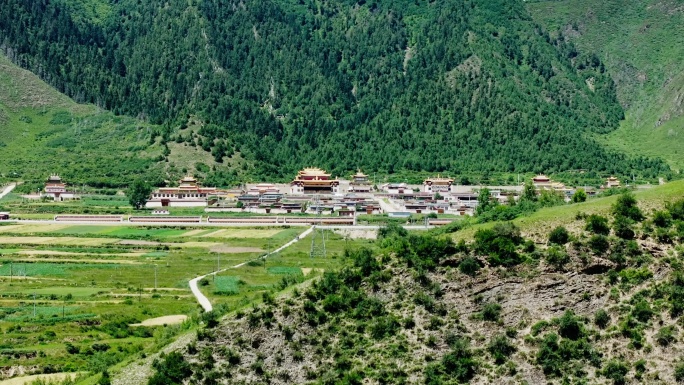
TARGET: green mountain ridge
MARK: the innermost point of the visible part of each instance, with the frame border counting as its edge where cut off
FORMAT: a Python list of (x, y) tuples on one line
[(642, 45), (392, 86)]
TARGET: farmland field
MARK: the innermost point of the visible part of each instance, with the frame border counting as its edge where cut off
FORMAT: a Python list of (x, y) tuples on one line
[(247, 283), (68, 293)]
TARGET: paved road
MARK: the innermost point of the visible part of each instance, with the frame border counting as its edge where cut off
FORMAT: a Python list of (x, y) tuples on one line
[(204, 224), (160, 224), (8, 189), (387, 206), (204, 301)]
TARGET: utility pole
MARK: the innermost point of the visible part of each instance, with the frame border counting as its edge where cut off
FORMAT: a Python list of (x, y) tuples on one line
[(269, 253), (318, 234)]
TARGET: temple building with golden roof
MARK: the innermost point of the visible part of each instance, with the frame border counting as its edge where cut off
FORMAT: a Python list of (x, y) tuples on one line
[(360, 183), (313, 180), (543, 182), (612, 182), (56, 189)]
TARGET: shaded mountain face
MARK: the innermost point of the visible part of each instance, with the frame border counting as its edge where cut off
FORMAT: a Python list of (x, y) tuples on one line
[(443, 86), (642, 45)]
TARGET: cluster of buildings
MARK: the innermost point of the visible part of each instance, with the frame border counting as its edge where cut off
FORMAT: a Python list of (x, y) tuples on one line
[(314, 190)]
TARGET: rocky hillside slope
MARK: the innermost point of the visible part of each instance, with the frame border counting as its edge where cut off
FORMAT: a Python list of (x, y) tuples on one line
[(599, 304)]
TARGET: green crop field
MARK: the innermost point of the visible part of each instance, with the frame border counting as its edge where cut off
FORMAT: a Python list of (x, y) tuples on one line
[(226, 284), (284, 270), (86, 287)]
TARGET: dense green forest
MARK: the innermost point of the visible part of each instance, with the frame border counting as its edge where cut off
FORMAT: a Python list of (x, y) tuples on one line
[(456, 86)]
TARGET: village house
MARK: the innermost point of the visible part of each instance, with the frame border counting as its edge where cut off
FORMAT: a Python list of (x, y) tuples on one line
[(464, 199), (263, 188), (56, 190), (612, 182), (188, 194), (396, 188)]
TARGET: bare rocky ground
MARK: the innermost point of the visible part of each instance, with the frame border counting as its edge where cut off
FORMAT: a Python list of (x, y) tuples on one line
[(139, 372), (358, 234)]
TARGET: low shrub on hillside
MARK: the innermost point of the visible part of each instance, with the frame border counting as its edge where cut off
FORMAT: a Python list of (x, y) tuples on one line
[(499, 244), (469, 266), (597, 224), (617, 371), (491, 312), (171, 369), (458, 365), (557, 257), (501, 348), (559, 236), (601, 318), (599, 244)]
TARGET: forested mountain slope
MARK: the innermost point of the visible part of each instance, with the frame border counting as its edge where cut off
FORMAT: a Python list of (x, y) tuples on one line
[(435, 86), (642, 45)]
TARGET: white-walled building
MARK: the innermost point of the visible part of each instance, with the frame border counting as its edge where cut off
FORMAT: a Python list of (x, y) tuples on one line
[(188, 194), (57, 190), (437, 185)]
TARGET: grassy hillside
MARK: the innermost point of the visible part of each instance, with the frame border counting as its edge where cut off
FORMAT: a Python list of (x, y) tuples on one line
[(43, 132), (538, 224), (642, 44)]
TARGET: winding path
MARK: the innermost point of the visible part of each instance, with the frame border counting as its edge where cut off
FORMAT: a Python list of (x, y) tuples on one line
[(8, 189), (204, 301)]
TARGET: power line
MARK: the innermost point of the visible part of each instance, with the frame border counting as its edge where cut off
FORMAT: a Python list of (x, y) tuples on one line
[(318, 234)]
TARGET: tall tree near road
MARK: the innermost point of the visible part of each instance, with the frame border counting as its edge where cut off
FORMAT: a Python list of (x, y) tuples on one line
[(138, 193)]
